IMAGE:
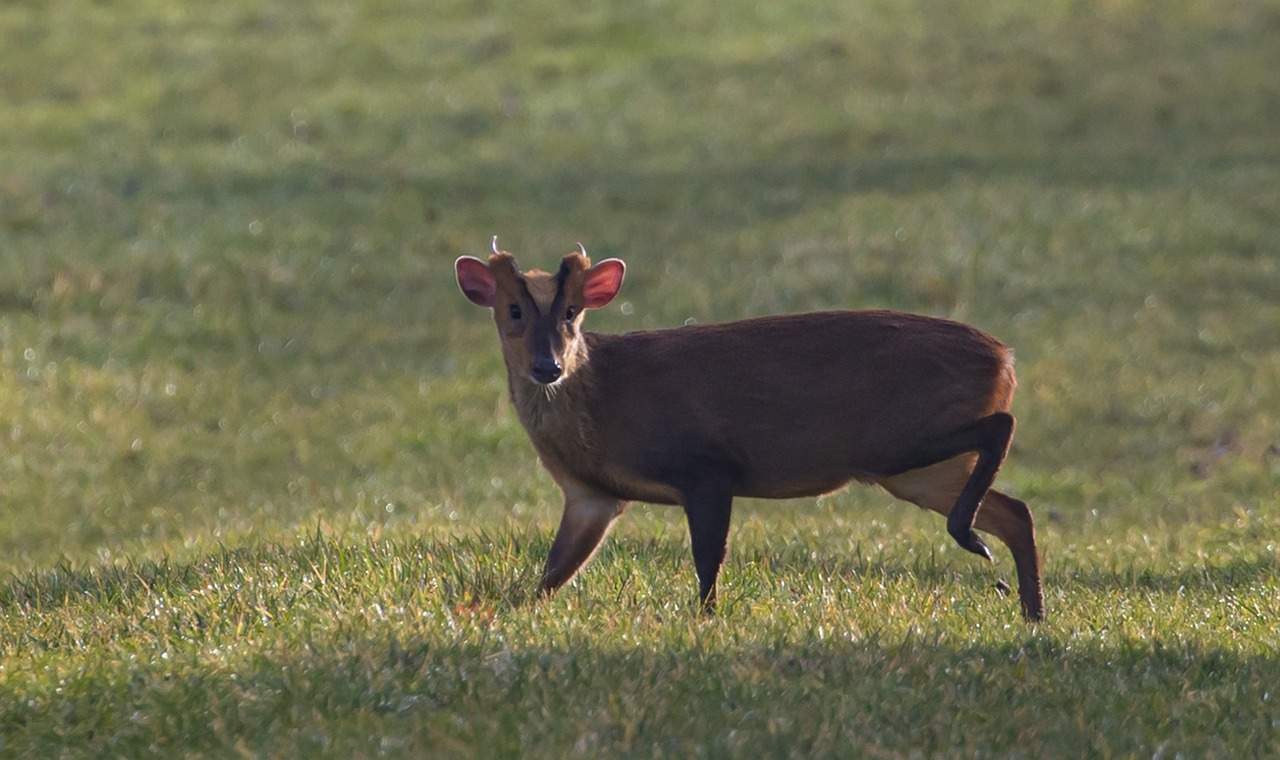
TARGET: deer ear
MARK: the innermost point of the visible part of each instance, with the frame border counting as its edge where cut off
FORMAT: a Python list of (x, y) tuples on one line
[(475, 280), (602, 283)]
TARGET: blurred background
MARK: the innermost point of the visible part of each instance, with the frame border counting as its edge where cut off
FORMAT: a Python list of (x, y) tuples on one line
[(227, 307)]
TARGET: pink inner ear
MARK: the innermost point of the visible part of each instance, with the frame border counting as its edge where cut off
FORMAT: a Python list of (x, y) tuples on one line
[(476, 281), (603, 282)]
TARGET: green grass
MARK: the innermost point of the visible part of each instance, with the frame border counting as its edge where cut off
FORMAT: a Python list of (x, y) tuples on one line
[(261, 491)]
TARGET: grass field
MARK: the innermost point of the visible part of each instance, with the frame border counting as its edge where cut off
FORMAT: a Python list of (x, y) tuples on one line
[(261, 491)]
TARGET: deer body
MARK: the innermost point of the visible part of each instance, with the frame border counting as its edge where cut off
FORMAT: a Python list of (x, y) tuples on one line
[(827, 398), (774, 407)]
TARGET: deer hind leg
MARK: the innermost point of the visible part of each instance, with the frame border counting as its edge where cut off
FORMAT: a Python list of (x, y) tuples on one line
[(989, 439), (1009, 519), (939, 487)]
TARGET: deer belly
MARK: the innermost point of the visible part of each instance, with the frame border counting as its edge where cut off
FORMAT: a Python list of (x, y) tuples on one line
[(800, 468), (793, 488)]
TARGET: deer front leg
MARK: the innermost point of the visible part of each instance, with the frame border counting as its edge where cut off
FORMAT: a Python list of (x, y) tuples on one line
[(708, 510), (584, 524)]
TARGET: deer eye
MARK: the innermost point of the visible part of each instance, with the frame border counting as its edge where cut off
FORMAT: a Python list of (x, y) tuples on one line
[(570, 313), (514, 311)]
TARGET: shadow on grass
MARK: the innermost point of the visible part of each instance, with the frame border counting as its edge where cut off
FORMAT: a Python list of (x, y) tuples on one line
[(869, 696), (1238, 573), (801, 175)]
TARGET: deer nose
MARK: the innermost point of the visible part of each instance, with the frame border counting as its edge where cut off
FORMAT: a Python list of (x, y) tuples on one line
[(545, 370)]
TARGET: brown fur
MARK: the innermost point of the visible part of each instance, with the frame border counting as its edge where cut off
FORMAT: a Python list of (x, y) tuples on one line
[(775, 407), (542, 286)]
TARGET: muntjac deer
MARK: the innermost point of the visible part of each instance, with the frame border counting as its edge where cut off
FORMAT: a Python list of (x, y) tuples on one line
[(775, 407)]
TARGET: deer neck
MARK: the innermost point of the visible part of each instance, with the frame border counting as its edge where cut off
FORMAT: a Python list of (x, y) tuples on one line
[(558, 416)]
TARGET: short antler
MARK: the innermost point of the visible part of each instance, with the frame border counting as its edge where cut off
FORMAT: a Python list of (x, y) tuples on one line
[(493, 244), (582, 249)]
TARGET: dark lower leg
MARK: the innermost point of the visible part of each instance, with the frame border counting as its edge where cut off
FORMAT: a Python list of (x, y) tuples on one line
[(708, 514), (995, 431)]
